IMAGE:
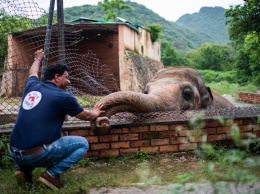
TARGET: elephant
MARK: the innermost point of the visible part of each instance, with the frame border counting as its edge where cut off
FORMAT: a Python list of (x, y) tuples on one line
[(171, 89)]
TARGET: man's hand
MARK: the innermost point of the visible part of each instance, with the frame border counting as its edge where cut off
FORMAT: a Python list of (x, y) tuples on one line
[(97, 109), (38, 56), (91, 115)]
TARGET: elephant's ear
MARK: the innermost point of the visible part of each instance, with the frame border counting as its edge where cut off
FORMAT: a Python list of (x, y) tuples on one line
[(209, 90)]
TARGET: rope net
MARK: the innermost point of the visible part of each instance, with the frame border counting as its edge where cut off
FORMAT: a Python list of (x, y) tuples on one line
[(22, 32)]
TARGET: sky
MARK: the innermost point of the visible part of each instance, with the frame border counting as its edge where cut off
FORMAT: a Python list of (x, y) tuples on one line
[(169, 9)]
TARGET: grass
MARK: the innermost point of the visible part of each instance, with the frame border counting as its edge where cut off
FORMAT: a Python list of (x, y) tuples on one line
[(159, 169), (224, 87)]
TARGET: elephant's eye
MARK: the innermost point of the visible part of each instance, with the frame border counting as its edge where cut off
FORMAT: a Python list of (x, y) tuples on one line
[(187, 94)]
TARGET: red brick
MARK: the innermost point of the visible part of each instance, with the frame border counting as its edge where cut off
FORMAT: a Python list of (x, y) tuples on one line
[(139, 129), (217, 137), (125, 144), (155, 142), (164, 134), (159, 128), (128, 151), (79, 132), (246, 128), (92, 139), (92, 154), (129, 136), (99, 146), (210, 130), (213, 123), (229, 122), (108, 153), (168, 148), (248, 121), (179, 140), (140, 143), (65, 133), (149, 149), (123, 130), (197, 139), (256, 127), (177, 127), (223, 130), (149, 135), (186, 147), (188, 132), (238, 122), (108, 138)]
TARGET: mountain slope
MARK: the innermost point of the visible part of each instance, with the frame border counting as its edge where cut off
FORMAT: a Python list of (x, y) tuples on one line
[(179, 36), (209, 20)]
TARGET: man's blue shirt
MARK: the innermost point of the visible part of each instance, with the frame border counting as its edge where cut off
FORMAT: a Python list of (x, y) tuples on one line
[(42, 113)]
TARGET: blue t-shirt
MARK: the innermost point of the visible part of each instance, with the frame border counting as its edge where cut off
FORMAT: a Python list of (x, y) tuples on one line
[(42, 113)]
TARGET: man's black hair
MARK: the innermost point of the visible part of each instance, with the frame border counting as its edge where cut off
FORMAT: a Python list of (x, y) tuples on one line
[(52, 70)]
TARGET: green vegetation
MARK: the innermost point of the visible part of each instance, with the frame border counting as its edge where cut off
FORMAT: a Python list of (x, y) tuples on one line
[(113, 8), (239, 163), (8, 24), (213, 18), (179, 36), (155, 31), (244, 31)]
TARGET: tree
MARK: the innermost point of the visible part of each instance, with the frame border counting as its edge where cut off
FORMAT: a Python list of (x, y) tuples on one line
[(244, 32), (155, 31), (8, 24), (217, 57), (113, 8), (170, 57)]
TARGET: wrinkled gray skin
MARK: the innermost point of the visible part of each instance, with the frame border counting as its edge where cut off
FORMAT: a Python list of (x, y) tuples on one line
[(173, 88)]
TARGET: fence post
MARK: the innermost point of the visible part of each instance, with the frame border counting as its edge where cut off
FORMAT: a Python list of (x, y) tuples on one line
[(47, 38)]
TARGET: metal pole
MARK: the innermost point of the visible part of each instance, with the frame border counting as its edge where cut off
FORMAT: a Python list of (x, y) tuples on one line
[(61, 44), (47, 38)]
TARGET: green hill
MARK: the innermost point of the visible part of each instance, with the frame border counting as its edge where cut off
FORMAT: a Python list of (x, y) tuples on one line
[(209, 20), (180, 36)]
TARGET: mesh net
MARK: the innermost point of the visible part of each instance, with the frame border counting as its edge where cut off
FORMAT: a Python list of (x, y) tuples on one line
[(22, 32)]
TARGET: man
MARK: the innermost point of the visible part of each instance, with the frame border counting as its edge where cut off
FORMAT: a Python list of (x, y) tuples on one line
[(36, 137)]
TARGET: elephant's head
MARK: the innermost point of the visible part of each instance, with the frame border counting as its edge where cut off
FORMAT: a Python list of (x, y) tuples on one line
[(174, 88)]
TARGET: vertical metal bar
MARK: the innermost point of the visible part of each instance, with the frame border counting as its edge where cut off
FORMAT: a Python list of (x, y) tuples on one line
[(47, 38), (61, 42)]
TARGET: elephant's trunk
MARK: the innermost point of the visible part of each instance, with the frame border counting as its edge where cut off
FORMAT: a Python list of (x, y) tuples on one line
[(127, 101)]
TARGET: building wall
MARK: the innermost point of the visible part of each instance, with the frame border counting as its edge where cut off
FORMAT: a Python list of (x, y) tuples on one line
[(139, 58), (138, 41)]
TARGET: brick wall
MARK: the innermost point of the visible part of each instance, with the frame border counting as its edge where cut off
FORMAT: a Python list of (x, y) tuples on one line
[(249, 97), (162, 137)]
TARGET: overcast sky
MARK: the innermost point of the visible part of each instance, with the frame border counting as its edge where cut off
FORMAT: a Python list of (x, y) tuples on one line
[(168, 9)]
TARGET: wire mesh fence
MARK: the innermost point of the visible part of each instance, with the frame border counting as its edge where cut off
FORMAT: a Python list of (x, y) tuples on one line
[(22, 32)]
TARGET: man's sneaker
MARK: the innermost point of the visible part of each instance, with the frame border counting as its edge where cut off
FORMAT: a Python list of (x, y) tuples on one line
[(51, 182), (23, 177)]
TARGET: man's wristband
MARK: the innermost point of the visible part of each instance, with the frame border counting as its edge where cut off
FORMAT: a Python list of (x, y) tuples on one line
[(36, 59)]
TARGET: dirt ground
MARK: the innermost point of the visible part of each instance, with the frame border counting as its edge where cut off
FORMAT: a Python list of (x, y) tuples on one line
[(188, 188)]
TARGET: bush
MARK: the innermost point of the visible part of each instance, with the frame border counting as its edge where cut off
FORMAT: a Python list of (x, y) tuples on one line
[(217, 76)]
